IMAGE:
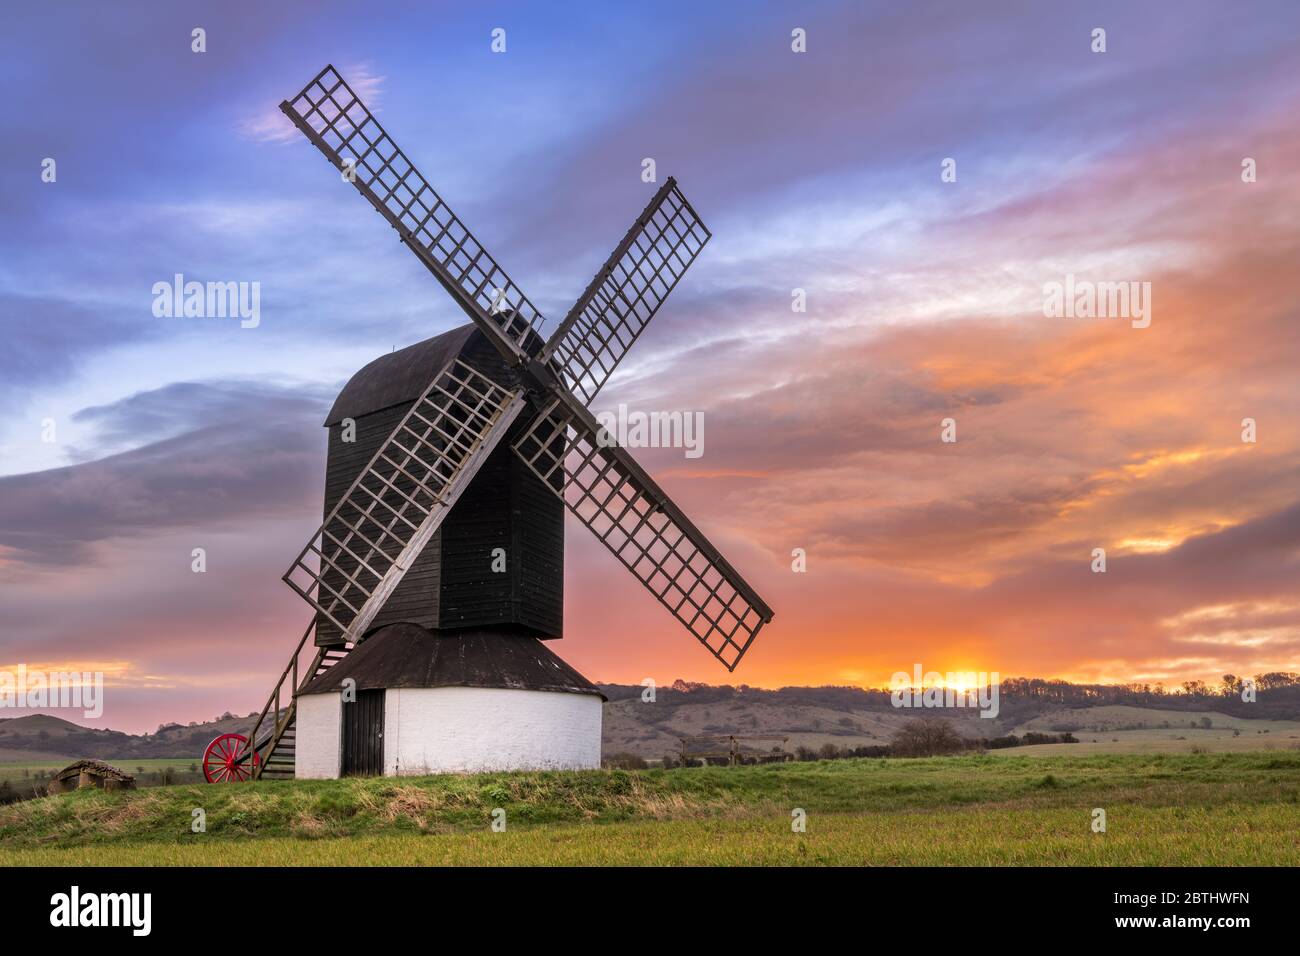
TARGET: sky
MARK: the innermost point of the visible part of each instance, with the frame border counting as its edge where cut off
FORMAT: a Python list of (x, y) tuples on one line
[(821, 171)]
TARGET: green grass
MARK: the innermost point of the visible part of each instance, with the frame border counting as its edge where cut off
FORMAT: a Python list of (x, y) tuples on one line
[(1161, 810), (1160, 742), (1119, 729)]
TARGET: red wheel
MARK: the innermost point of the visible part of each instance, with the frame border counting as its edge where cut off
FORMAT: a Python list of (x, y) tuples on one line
[(227, 758)]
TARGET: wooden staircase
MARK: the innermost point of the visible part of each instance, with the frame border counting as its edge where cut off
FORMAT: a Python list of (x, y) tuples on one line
[(276, 747)]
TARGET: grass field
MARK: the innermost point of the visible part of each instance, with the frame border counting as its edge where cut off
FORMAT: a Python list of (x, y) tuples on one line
[(1161, 810), (1159, 742), (37, 769), (1117, 729)]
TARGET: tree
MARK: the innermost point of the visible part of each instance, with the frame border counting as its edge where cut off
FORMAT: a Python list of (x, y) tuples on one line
[(1275, 679), (926, 737)]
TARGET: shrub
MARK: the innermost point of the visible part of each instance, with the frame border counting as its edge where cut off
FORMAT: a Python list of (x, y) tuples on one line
[(926, 737), (624, 761)]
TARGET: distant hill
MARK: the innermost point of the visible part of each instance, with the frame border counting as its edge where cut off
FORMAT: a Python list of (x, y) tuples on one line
[(808, 716), (45, 734), (850, 717)]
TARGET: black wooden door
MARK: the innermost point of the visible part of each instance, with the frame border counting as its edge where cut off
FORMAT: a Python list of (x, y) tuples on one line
[(363, 735)]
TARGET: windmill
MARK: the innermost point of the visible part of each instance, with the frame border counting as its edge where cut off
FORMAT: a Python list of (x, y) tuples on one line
[(495, 417)]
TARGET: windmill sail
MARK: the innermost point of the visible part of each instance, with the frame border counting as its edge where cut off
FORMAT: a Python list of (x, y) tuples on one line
[(631, 515), (332, 116), (369, 540), (357, 557), (378, 527), (625, 294)]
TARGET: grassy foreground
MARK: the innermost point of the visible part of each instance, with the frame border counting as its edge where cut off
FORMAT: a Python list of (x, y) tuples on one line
[(1160, 810)]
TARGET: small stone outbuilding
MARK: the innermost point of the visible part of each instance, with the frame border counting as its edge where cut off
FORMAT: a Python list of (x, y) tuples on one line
[(90, 773)]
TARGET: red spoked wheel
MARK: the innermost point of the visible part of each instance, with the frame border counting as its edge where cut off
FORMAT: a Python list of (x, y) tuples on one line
[(227, 758)]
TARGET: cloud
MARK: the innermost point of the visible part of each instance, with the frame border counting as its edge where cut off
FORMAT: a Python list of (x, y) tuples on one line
[(51, 336), (270, 125), (817, 171), (233, 451)]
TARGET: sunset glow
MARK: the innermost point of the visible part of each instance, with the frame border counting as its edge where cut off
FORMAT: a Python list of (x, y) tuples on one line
[(822, 428)]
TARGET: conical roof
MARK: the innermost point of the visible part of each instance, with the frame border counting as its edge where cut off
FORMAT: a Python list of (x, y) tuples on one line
[(408, 655)]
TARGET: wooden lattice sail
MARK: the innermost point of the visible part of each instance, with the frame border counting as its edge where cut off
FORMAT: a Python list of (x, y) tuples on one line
[(538, 394)]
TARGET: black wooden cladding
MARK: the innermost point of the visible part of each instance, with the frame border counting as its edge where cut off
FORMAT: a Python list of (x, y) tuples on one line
[(451, 584), (363, 735)]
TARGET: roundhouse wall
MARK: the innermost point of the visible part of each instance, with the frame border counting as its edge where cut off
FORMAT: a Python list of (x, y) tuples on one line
[(318, 747), (471, 729)]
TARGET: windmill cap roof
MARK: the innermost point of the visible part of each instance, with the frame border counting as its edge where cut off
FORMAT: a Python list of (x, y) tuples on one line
[(403, 375), (409, 655), (397, 377)]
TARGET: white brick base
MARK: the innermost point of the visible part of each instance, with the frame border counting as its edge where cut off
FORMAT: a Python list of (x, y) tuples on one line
[(470, 729), (459, 730)]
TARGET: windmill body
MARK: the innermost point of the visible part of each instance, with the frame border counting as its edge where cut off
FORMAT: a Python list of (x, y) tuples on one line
[(497, 559), (436, 576), (453, 675)]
